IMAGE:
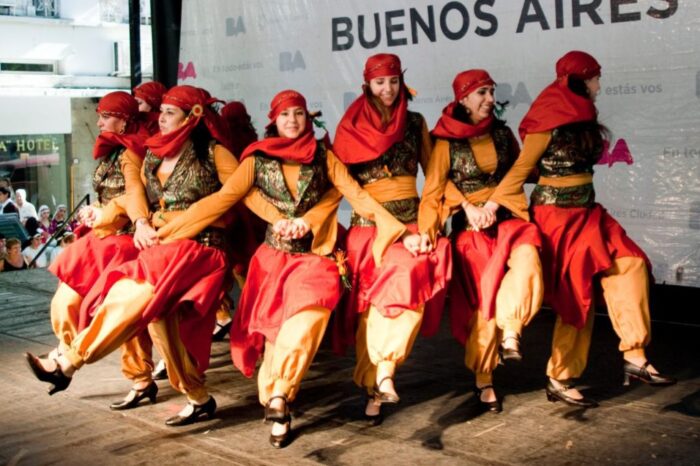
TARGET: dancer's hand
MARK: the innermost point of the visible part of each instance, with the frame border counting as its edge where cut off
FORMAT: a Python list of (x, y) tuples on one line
[(300, 228), (412, 243), (145, 235), (89, 215)]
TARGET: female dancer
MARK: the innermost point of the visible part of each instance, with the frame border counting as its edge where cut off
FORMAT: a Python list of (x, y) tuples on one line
[(583, 244), (172, 288), (383, 143), (149, 96), (497, 285), (120, 151), (292, 284)]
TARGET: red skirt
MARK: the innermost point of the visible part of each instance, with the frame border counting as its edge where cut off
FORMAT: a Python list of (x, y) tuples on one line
[(402, 283), (578, 244), (187, 278), (83, 261), (278, 286), (481, 259)]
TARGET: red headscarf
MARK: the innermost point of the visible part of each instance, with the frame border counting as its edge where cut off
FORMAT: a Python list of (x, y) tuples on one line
[(300, 149), (241, 132), (558, 105), (360, 135), (121, 105), (152, 92), (464, 84), (195, 103)]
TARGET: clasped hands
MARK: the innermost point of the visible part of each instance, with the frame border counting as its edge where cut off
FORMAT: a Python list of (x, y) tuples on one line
[(291, 228), (480, 218)]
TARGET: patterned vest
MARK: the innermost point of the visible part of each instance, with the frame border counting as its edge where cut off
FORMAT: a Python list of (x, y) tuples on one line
[(564, 156), (313, 182), (401, 159), (108, 180), (191, 180), (464, 171)]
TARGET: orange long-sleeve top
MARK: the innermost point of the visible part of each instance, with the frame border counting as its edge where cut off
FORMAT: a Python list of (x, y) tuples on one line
[(226, 164), (437, 204), (323, 226)]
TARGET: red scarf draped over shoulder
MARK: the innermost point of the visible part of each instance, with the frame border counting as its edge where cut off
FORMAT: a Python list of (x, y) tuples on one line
[(361, 136), (121, 105), (196, 103), (557, 105), (300, 149)]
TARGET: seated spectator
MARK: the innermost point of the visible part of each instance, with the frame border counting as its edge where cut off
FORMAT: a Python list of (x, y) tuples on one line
[(31, 251), (63, 242), (6, 204), (7, 183), (45, 220), (14, 260), (59, 220), (26, 208)]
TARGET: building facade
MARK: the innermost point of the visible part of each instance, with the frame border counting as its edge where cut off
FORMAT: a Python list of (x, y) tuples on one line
[(58, 58)]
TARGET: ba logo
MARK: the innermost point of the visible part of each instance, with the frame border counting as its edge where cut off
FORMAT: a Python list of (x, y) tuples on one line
[(289, 62), (184, 72), (505, 93), (235, 26)]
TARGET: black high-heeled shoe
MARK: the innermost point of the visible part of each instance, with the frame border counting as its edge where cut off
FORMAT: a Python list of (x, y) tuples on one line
[(276, 415), (373, 419), (491, 406), (207, 409), (56, 377), (559, 394), (385, 397), (510, 354), (282, 440), (160, 372), (149, 392), (221, 331), (633, 371)]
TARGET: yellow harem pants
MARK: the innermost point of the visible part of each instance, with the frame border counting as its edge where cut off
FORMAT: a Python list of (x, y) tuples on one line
[(518, 299), (117, 320), (286, 361), (383, 343), (136, 362), (626, 293)]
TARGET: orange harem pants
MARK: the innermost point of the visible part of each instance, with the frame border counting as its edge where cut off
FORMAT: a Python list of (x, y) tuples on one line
[(118, 319), (626, 293), (136, 359)]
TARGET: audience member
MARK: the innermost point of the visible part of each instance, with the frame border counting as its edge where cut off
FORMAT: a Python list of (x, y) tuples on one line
[(6, 204), (14, 259), (26, 208), (31, 251)]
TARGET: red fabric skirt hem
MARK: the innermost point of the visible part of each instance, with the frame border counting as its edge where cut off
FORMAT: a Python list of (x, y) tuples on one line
[(80, 265), (578, 244), (278, 286), (187, 278), (480, 262), (402, 283)]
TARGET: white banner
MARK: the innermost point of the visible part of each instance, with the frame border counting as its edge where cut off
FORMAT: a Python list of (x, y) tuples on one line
[(650, 97)]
